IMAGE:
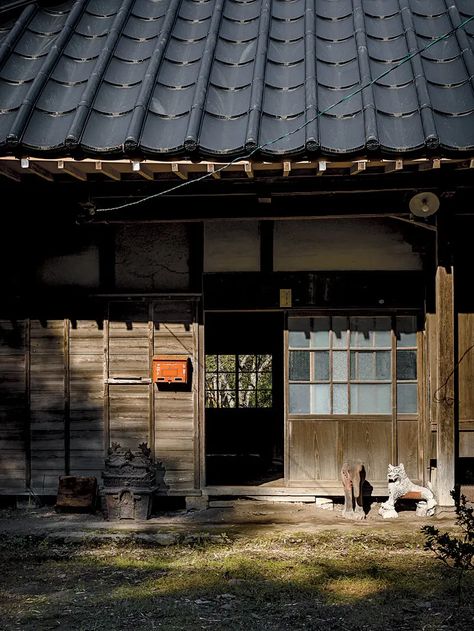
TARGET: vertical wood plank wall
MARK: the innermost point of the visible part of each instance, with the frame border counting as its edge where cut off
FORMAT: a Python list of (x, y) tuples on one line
[(13, 406), (47, 407), (466, 384), (56, 396)]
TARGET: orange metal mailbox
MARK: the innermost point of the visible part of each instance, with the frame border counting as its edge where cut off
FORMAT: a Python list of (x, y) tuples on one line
[(170, 368)]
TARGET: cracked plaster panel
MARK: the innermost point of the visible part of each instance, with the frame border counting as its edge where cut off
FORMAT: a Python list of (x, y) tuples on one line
[(342, 245), (231, 246), (153, 257)]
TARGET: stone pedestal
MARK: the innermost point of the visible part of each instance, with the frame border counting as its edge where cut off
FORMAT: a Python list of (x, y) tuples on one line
[(129, 483)]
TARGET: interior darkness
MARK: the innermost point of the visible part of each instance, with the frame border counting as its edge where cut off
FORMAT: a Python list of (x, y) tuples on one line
[(244, 446)]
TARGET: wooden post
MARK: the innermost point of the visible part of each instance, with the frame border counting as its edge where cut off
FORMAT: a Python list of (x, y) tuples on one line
[(444, 395)]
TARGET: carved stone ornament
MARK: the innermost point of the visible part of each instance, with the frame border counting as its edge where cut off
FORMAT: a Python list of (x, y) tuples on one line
[(129, 481), (400, 486)]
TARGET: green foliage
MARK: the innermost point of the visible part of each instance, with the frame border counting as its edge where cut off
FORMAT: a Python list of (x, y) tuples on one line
[(455, 550)]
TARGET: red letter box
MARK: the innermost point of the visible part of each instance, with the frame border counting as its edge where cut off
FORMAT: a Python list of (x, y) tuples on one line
[(170, 368)]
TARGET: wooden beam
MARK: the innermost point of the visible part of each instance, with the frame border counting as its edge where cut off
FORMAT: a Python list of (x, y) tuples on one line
[(72, 170), (286, 168), (10, 174), (392, 167), (322, 166), (177, 171), (211, 168), (36, 169), (143, 170), (248, 168), (107, 170), (444, 394), (358, 167), (428, 165)]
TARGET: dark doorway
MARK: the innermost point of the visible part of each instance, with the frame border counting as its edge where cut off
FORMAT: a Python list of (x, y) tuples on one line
[(244, 398)]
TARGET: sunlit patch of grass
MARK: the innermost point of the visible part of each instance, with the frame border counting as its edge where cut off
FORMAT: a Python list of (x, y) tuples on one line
[(346, 589)]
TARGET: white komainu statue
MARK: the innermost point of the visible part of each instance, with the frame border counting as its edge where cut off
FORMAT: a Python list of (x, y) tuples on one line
[(399, 484)]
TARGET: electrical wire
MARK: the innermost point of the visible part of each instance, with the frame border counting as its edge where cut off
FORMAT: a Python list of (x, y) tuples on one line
[(294, 131)]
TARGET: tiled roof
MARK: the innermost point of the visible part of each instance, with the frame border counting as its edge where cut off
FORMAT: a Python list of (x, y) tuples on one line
[(218, 77)]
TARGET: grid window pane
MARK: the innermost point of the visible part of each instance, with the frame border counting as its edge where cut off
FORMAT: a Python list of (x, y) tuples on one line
[(211, 363), (371, 398), (320, 399), (406, 365), (299, 366), (235, 380), (320, 333), (299, 332), (212, 400), (353, 374), (247, 363), (263, 363), (406, 331), (264, 398), (247, 398), (226, 363), (299, 398), (340, 327), (321, 365), (340, 401), (383, 365), (407, 400), (361, 332), (339, 366), (227, 399)]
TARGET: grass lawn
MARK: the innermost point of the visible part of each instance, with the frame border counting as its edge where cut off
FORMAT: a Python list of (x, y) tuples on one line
[(330, 581)]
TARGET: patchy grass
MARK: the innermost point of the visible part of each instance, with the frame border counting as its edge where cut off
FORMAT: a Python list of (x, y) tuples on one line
[(362, 581)]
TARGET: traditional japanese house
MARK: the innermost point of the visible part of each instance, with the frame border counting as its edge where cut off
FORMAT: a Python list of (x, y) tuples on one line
[(239, 231)]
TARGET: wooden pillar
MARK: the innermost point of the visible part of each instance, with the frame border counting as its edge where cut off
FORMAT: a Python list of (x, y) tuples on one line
[(444, 395)]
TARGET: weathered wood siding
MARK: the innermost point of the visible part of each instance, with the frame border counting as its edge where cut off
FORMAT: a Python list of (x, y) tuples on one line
[(71, 387), (47, 403), (86, 392), (13, 405), (466, 384), (175, 332)]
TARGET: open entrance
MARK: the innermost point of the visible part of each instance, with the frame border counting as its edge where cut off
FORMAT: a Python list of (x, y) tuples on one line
[(244, 398)]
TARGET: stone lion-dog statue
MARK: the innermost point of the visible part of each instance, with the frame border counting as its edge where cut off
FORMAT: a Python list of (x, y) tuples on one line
[(400, 485), (353, 477)]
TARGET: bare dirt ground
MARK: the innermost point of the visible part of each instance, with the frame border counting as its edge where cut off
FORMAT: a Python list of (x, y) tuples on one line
[(251, 565)]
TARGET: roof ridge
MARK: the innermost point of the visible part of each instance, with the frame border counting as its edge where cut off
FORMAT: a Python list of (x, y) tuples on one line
[(256, 95), (83, 108), (12, 37), (19, 124), (311, 90), (135, 127), (466, 52), (200, 91), (372, 142), (427, 118)]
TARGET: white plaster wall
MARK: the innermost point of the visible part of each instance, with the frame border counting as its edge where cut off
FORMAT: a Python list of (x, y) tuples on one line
[(337, 244), (231, 246)]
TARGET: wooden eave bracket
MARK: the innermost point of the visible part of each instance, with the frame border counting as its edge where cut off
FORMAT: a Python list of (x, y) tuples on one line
[(143, 170), (175, 168), (71, 169), (358, 167), (25, 163), (393, 167), (108, 170)]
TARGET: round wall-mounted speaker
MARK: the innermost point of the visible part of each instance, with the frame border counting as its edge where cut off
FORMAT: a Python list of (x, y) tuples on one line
[(424, 204)]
